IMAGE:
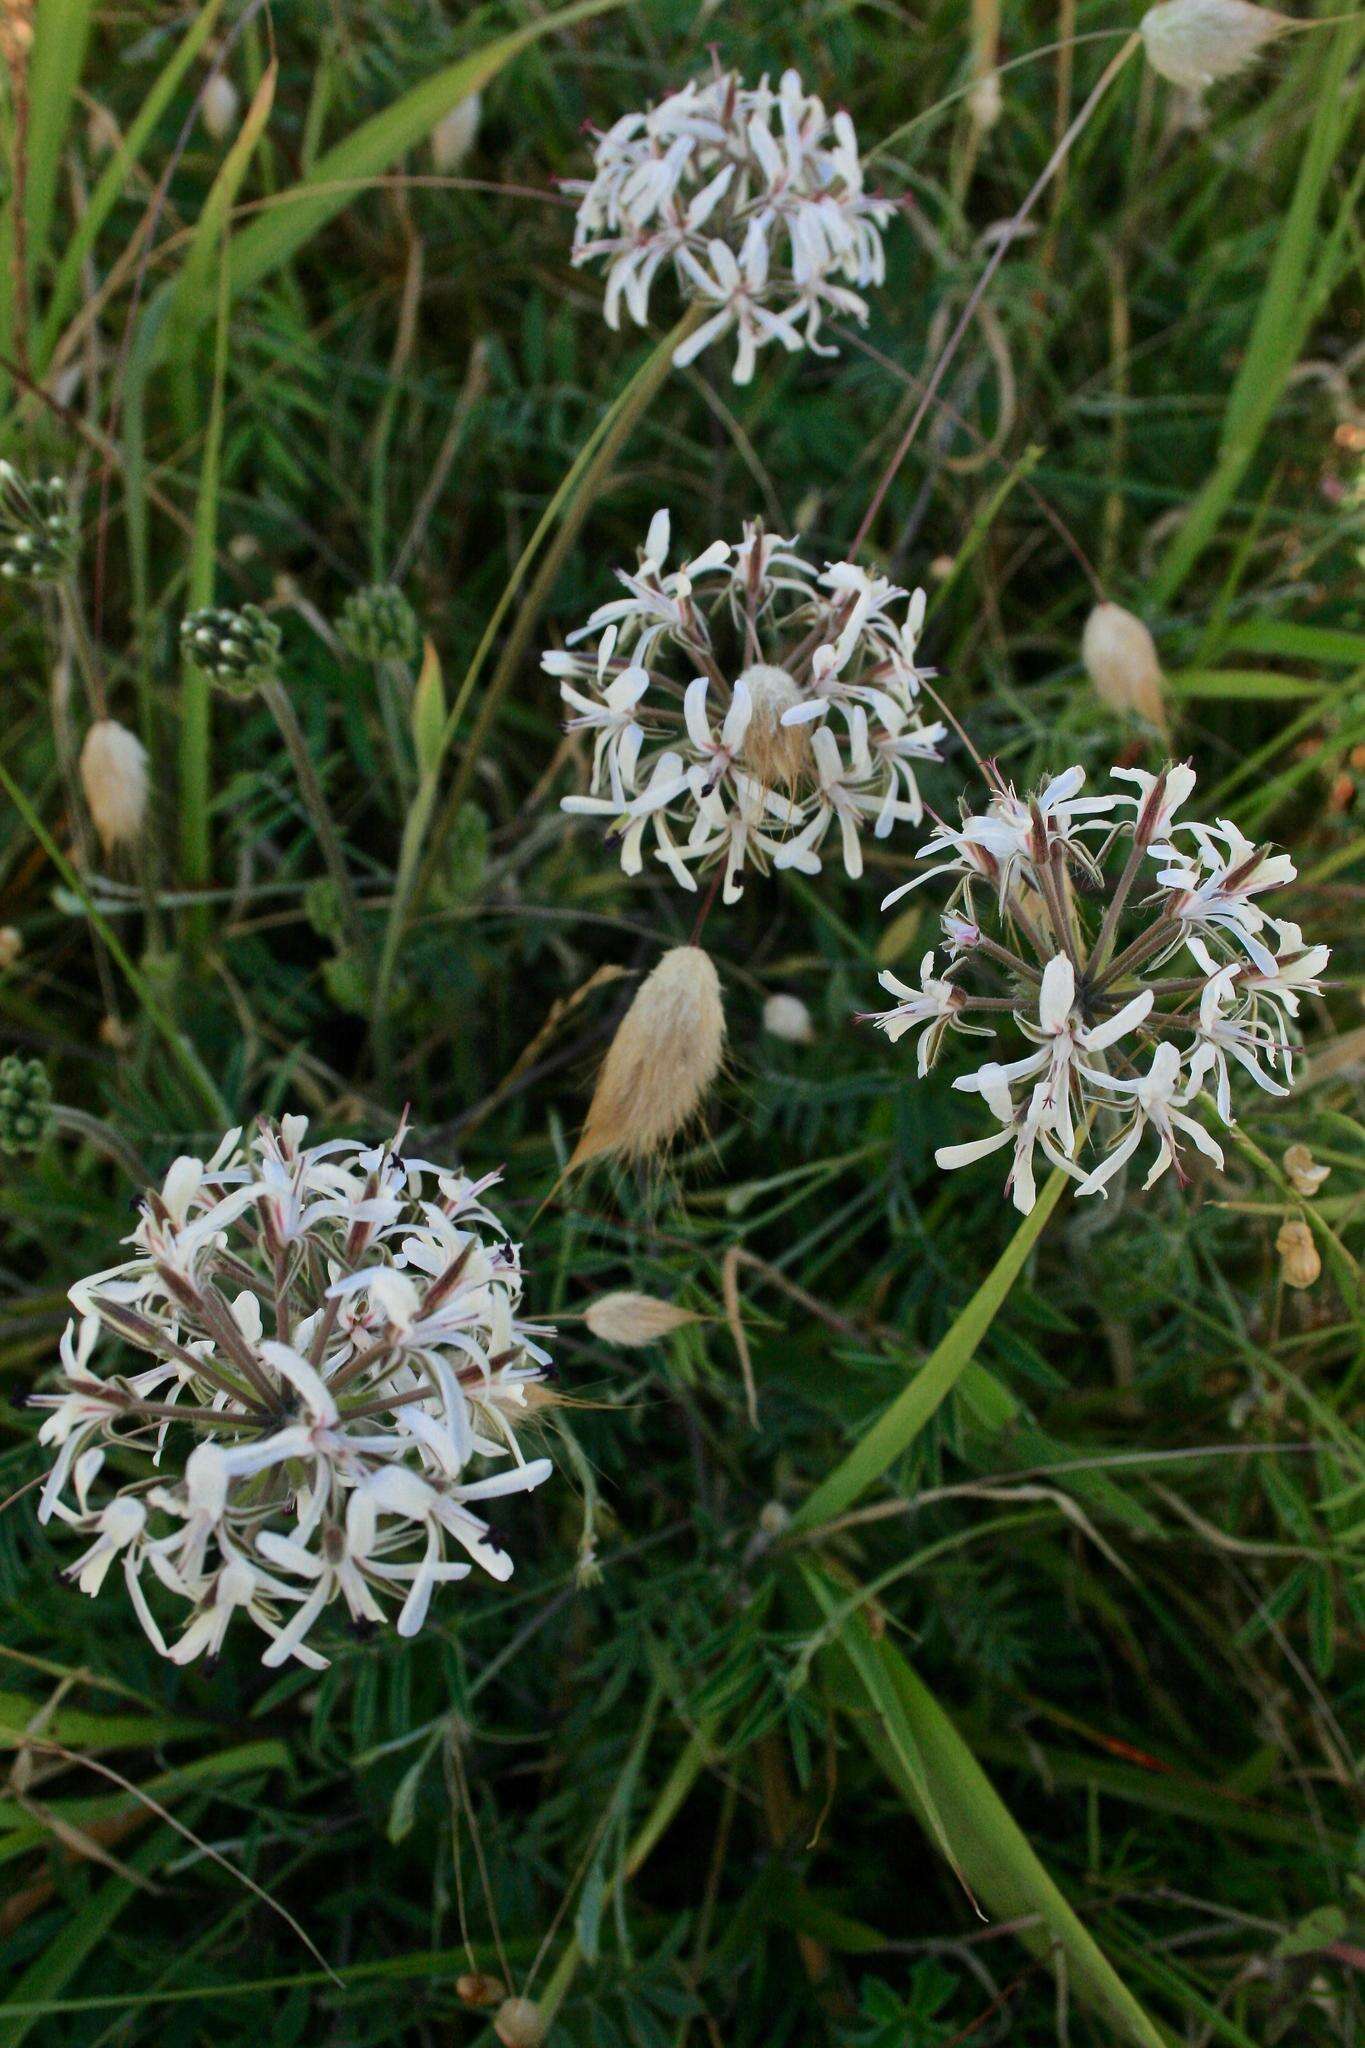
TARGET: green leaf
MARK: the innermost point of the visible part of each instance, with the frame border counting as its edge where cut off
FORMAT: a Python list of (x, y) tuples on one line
[(896, 1429), (986, 1842), (377, 144)]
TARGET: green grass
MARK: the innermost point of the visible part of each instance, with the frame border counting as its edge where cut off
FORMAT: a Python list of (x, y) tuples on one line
[(1034, 1712)]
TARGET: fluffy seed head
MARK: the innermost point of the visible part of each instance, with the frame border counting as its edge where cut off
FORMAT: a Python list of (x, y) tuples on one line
[(1196, 42), (453, 137), (1121, 660), (519, 2023), (11, 946), (786, 1017), (219, 106), (1300, 1264), (634, 1319), (114, 778), (661, 1063), (774, 752)]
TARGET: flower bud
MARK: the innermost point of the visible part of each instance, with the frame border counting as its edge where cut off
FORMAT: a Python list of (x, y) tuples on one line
[(1196, 42), (114, 778), (219, 106), (379, 624), (634, 1319), (1304, 1174), (661, 1063), (37, 534), (455, 135), (786, 1017), (1299, 1261), (25, 1104), (519, 2023), (238, 650), (1121, 660)]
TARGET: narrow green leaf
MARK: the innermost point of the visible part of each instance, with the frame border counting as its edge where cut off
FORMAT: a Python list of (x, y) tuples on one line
[(987, 1843), (377, 144), (896, 1429), (1242, 683)]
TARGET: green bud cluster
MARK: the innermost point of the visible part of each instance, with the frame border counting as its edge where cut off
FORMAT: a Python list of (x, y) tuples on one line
[(379, 624), (37, 532), (238, 650), (25, 1104)]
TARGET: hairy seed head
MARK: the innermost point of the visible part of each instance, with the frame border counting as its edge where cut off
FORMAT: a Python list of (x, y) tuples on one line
[(634, 1319), (1196, 42), (1121, 660), (114, 777), (661, 1063), (772, 752)]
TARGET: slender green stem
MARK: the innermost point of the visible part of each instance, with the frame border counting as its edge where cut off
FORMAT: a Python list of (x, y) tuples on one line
[(104, 1138), (316, 804)]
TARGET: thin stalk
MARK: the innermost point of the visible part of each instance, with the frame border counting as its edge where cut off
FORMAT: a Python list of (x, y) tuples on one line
[(1144, 946), (105, 1139), (315, 802), (1105, 938)]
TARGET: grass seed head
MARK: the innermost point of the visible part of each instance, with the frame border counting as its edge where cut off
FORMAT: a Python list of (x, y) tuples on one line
[(1121, 660), (787, 1017), (1194, 43), (519, 2023), (114, 778), (661, 1063), (219, 106), (454, 136), (634, 1319)]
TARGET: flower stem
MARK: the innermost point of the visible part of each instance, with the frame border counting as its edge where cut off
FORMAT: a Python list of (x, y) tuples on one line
[(315, 802)]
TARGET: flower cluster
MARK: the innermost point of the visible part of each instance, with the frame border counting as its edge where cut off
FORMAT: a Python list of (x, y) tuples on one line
[(332, 1336), (749, 703), (1135, 992), (754, 197), (378, 624), (37, 532)]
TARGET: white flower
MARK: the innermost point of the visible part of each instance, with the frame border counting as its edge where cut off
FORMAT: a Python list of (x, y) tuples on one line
[(744, 705), (330, 1459), (753, 199), (1209, 983), (1157, 1100)]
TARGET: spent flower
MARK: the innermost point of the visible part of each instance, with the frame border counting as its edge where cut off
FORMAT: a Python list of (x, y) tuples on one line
[(333, 1370), (1133, 955), (753, 198), (746, 707)]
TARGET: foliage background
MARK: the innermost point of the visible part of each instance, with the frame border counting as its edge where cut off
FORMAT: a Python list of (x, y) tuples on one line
[(1125, 1553)]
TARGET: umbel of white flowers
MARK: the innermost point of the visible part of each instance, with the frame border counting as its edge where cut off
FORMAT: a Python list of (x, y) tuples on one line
[(748, 703), (333, 1366), (753, 198), (1132, 953)]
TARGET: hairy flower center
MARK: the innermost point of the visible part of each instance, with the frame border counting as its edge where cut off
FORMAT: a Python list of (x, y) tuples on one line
[(775, 754)]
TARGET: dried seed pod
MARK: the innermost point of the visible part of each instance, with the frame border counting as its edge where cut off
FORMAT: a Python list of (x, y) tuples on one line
[(1300, 1264), (1304, 1174), (633, 1319), (519, 2023), (1121, 660), (114, 778), (1196, 42), (477, 1989), (661, 1063), (454, 136), (786, 1017)]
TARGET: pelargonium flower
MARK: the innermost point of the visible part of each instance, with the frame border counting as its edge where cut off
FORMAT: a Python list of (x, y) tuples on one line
[(334, 1366), (750, 704), (1135, 958), (753, 198)]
